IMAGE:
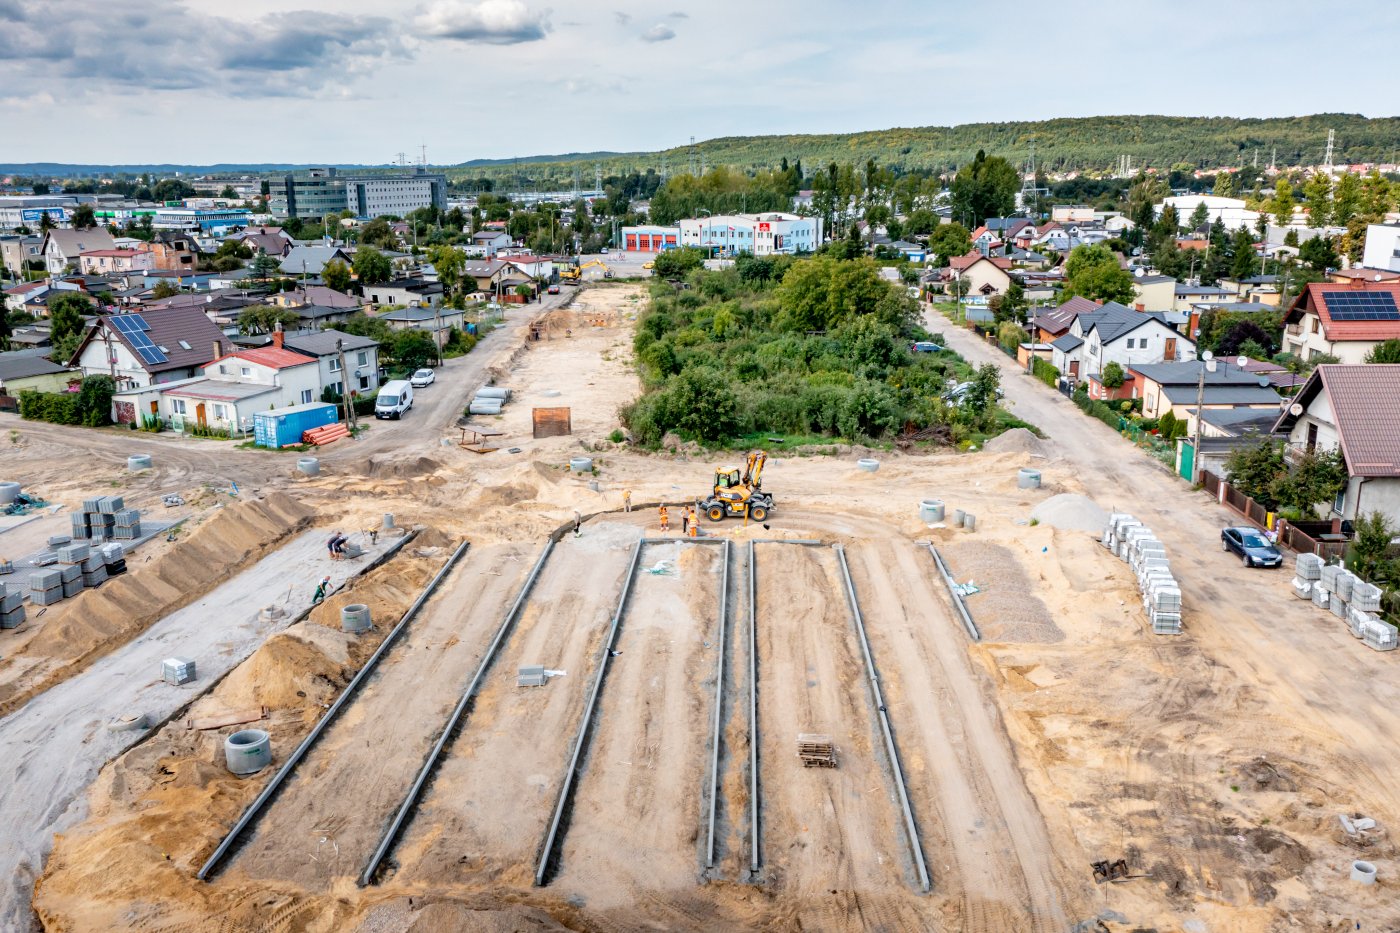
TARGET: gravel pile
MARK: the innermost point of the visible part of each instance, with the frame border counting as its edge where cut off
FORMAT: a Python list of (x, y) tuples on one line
[(1006, 609), (1070, 512), (1017, 440)]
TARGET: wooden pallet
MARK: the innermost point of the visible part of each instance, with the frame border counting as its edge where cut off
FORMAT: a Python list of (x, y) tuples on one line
[(235, 718), (816, 751)]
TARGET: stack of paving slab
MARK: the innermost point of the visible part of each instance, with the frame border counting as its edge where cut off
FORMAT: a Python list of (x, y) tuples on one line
[(1134, 543), (488, 400), (104, 518), (113, 558), (1346, 596), (11, 606)]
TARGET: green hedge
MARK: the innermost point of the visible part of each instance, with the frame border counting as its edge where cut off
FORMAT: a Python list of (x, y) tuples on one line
[(1100, 410), (91, 405), (1045, 372)]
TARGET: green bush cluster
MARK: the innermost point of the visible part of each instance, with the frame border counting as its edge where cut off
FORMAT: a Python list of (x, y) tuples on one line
[(91, 405), (816, 346), (1097, 409)]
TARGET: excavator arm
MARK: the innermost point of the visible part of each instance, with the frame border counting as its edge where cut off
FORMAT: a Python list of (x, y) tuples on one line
[(753, 470)]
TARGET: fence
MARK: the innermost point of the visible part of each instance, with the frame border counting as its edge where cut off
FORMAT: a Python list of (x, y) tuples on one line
[(1290, 535)]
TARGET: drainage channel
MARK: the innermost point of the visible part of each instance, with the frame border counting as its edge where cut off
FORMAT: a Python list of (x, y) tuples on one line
[(566, 791), (250, 815), (754, 848), (405, 811), (892, 752), (958, 603), (719, 707)]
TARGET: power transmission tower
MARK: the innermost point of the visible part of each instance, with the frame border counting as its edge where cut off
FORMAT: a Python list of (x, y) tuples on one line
[(691, 153), (423, 154), (1273, 159), (402, 160), (1030, 190), (598, 177), (576, 183), (1327, 162)]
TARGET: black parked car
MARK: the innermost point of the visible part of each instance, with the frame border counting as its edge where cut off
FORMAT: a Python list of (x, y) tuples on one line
[(1254, 549)]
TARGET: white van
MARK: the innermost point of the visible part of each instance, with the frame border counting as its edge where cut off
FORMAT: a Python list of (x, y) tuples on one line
[(394, 399)]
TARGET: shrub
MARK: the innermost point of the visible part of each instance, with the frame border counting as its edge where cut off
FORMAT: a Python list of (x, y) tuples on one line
[(1045, 372)]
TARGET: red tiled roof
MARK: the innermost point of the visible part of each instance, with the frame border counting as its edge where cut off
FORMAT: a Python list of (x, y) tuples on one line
[(1314, 298), (1366, 275), (120, 253), (972, 258), (1365, 402), (274, 357)]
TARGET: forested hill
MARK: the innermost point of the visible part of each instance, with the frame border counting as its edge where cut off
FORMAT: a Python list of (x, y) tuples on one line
[(1070, 143)]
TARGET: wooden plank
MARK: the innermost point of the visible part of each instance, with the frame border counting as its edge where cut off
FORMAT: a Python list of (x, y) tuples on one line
[(237, 717)]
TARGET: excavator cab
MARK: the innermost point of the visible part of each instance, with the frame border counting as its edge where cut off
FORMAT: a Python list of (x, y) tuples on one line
[(727, 483)]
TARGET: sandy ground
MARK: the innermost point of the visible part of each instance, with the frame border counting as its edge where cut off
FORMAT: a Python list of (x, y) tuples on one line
[(1215, 762), (53, 747)]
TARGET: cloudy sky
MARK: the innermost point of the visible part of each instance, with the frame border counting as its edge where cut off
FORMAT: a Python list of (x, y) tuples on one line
[(202, 81)]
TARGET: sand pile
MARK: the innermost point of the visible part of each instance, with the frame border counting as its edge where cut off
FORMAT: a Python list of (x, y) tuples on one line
[(1017, 440), (97, 621), (1007, 608), (1071, 512), (399, 467)]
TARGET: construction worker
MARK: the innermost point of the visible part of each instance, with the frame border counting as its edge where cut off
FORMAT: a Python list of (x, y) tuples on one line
[(321, 589), (685, 521), (626, 500), (694, 526), (665, 518)]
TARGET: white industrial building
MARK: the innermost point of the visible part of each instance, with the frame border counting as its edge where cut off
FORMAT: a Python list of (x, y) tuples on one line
[(760, 234), (1229, 211)]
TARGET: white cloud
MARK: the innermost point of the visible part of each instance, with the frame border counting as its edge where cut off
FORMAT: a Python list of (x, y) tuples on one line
[(622, 18), (659, 33), (680, 14), (494, 22)]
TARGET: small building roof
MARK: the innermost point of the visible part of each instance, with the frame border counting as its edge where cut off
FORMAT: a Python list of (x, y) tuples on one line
[(219, 390), (272, 357), (1188, 373), (1222, 395), (1341, 310), (24, 364), (322, 343)]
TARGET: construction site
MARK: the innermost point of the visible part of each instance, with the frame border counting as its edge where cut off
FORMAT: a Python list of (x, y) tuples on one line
[(873, 691)]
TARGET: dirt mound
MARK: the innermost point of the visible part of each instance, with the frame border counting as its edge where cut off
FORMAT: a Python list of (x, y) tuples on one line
[(97, 621), (399, 467), (1017, 440), (1071, 512), (298, 666)]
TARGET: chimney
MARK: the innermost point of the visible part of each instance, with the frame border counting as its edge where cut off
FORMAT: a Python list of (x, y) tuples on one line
[(277, 336), (218, 348)]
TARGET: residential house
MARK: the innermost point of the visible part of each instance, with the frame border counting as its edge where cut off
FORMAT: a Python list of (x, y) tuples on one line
[(1181, 388), (1027, 259), (998, 230), (438, 321), (318, 305), (494, 275), (310, 260), (487, 243), (1154, 293), (29, 369), (1357, 409), (913, 252), (174, 251), (1250, 423), (1382, 250), (329, 347), (1345, 321), (1111, 333), (17, 251), (240, 383), (105, 261), (150, 347), (982, 276), (1347, 276), (1184, 296), (272, 241), (16, 296), (412, 293), (1256, 289), (1049, 324), (535, 267), (62, 248)]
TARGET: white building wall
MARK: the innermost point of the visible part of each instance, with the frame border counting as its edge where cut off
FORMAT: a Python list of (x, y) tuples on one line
[(1382, 247)]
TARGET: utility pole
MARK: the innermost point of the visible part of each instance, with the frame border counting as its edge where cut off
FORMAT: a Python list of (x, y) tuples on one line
[(344, 383), (1207, 361)]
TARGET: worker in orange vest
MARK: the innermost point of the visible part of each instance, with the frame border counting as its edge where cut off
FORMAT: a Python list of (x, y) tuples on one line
[(665, 519)]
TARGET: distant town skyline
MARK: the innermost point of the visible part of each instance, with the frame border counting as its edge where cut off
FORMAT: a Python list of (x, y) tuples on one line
[(355, 81)]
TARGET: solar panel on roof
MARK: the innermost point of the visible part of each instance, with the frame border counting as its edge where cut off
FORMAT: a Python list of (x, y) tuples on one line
[(121, 323), (1361, 306), (151, 355), (138, 321)]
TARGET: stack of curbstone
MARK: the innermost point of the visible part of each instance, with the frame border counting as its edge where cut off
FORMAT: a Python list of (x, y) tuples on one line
[(99, 518), (127, 525), (94, 570), (11, 607), (1351, 599), (1134, 543), (45, 587), (70, 567)]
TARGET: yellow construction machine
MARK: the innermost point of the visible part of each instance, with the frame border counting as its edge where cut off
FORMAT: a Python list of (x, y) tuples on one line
[(573, 275), (740, 493)]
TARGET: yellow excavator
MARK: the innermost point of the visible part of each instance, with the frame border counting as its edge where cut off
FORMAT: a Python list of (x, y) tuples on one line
[(575, 274), (737, 493)]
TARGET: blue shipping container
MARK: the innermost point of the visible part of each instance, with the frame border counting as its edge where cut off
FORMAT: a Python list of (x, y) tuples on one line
[(282, 426)]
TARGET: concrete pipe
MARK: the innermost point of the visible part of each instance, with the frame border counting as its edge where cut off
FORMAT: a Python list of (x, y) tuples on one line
[(970, 521), (868, 465), (1028, 479), (355, 619), (493, 392), (581, 464), (1364, 872), (958, 516), (248, 751), (138, 462), (484, 407), (9, 492), (931, 510), (388, 521), (129, 723), (309, 465)]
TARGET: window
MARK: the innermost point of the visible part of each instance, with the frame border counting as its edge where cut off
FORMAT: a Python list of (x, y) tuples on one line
[(362, 358), (364, 383), (245, 371), (1339, 504), (1315, 322), (178, 406), (335, 364), (219, 413), (306, 396), (337, 387)]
